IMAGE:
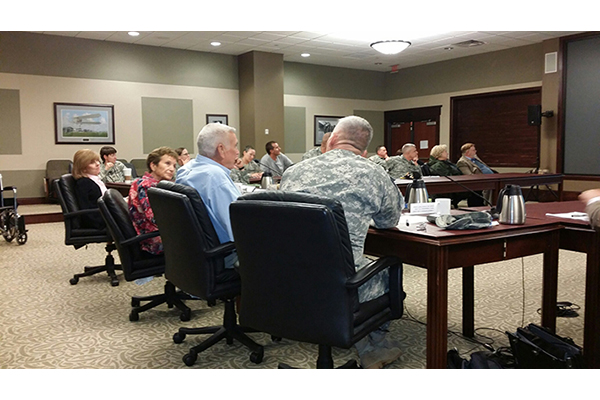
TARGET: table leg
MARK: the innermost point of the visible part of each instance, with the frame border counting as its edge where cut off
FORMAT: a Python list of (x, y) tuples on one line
[(468, 303), (550, 282), (437, 308), (591, 338)]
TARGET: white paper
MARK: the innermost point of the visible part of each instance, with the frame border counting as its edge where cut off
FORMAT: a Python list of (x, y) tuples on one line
[(422, 208), (577, 215), (423, 144)]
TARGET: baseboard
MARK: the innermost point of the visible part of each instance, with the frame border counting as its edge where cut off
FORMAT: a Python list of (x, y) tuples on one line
[(42, 218), (35, 200)]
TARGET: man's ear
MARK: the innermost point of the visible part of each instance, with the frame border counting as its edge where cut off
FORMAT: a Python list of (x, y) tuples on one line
[(364, 153), (333, 139)]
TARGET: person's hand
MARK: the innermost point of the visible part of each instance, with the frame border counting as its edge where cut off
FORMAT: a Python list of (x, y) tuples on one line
[(256, 175), (109, 165), (588, 195)]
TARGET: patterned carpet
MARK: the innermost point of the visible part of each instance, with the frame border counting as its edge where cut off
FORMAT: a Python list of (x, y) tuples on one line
[(46, 323)]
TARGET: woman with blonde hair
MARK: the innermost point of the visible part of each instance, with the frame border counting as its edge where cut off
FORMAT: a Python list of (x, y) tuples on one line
[(439, 163), (88, 186)]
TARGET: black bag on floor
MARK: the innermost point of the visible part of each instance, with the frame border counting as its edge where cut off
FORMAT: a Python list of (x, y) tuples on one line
[(480, 360), (537, 347)]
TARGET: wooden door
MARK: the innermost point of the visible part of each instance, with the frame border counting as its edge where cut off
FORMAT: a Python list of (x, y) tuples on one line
[(424, 137), (401, 133)]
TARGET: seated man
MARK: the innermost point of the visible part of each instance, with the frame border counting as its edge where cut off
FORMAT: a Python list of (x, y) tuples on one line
[(406, 165), (381, 157), (111, 170), (470, 164), (317, 151), (367, 194), (208, 173), (274, 161)]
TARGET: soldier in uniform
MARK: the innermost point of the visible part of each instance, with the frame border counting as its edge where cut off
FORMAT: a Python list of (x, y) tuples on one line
[(381, 157), (367, 194), (406, 165), (317, 151)]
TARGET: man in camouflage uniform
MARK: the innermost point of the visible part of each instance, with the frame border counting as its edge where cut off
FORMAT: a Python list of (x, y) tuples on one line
[(366, 194), (317, 151), (381, 157), (406, 164)]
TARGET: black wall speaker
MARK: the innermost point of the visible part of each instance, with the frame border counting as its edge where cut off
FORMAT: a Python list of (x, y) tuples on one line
[(534, 115)]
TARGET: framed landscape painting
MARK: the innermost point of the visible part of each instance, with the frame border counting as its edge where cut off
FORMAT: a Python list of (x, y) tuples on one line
[(84, 123)]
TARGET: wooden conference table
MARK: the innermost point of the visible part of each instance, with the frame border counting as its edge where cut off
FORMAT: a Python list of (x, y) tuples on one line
[(495, 182), (578, 236), (439, 250)]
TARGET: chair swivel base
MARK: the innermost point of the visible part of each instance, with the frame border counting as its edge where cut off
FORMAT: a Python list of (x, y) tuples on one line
[(229, 331), (109, 266), (171, 296), (325, 361)]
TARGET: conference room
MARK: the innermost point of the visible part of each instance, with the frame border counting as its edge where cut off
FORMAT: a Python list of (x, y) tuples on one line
[(161, 88)]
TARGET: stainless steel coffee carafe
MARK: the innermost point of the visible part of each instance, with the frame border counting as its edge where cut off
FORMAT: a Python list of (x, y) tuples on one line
[(416, 192), (511, 205), (267, 180)]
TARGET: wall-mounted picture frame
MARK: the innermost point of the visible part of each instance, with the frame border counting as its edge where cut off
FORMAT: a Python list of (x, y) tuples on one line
[(76, 123), (324, 124), (216, 118)]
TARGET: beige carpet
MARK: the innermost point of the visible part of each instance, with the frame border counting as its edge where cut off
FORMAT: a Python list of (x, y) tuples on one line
[(46, 323)]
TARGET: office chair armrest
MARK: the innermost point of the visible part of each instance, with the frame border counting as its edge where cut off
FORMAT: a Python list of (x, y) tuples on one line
[(140, 238), (220, 250), (371, 270), (88, 211)]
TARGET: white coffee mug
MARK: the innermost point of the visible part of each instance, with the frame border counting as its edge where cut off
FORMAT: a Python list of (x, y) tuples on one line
[(442, 206)]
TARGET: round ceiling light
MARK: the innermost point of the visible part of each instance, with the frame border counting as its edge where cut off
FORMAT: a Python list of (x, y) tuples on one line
[(390, 46), (133, 33)]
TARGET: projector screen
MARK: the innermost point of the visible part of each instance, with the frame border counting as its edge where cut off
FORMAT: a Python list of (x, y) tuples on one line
[(582, 107)]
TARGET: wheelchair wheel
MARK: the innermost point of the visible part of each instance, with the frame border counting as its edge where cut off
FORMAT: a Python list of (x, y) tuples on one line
[(22, 238), (9, 225)]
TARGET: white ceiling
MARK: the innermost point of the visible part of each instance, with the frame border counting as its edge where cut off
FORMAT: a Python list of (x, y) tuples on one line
[(328, 48)]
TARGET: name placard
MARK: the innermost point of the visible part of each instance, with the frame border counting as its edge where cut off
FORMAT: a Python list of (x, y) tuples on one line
[(422, 208)]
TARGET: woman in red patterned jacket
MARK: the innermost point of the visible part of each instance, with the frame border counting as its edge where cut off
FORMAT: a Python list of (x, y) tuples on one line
[(161, 164)]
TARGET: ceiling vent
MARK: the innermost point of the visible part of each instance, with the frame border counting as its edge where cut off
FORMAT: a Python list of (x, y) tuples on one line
[(469, 43)]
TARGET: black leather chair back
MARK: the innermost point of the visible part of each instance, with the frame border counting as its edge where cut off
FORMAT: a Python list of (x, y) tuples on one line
[(188, 238), (135, 262), (74, 233), (295, 258)]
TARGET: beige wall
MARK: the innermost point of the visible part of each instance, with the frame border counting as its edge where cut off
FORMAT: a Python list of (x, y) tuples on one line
[(38, 93)]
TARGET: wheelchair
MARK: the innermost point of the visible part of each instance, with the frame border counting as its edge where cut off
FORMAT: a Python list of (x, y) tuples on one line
[(12, 225)]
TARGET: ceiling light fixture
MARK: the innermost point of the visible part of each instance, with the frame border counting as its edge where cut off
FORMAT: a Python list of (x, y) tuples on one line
[(216, 44), (305, 55), (390, 46), (133, 33)]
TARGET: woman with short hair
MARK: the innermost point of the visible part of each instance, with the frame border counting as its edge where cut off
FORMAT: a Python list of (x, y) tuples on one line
[(88, 186), (161, 164), (247, 169)]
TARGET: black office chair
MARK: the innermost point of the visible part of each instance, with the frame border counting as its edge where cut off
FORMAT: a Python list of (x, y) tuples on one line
[(306, 287), (195, 263), (77, 236), (135, 262)]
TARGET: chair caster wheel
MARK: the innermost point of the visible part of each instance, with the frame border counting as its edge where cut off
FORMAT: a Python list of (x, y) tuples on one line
[(22, 239), (114, 282), (178, 337), (275, 338), (185, 315), (73, 281), (190, 358), (134, 316), (257, 356)]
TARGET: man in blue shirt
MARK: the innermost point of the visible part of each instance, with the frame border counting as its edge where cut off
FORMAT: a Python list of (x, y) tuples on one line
[(208, 173), (470, 164)]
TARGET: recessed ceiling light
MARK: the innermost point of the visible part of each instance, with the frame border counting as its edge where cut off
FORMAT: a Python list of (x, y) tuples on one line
[(215, 44), (305, 55), (133, 33), (390, 46)]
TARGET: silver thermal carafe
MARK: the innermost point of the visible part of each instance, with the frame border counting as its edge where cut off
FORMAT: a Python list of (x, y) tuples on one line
[(267, 180), (416, 192), (511, 205)]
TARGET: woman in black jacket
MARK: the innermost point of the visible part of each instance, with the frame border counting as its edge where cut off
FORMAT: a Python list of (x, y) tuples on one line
[(88, 186)]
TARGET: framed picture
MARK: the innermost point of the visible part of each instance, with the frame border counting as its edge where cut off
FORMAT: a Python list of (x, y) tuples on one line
[(324, 124), (84, 123), (216, 118)]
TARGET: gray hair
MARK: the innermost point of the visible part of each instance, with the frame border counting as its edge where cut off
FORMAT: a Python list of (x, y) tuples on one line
[(210, 136), (407, 146), (355, 130), (437, 151)]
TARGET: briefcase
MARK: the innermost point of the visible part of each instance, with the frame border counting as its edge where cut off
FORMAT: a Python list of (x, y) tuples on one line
[(535, 347)]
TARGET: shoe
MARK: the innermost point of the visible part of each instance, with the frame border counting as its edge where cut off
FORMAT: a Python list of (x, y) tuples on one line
[(379, 357)]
